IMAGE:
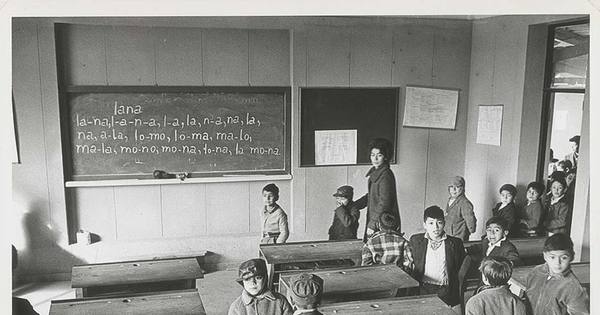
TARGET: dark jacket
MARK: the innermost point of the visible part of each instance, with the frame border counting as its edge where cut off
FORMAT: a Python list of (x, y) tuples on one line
[(345, 222), (455, 253), (558, 216), (509, 213), (460, 219), (381, 196), (506, 250)]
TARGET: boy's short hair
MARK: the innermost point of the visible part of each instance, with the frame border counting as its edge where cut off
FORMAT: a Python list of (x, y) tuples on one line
[(561, 180), (566, 164), (575, 139), (537, 186), (384, 146), (559, 241), (497, 270), (499, 221), (457, 181), (510, 188), (557, 174), (433, 212), (387, 221), (272, 188)]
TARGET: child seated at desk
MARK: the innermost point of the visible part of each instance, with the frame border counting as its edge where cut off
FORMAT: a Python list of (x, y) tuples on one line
[(506, 208), (552, 288), (387, 246), (306, 293), (346, 215), (256, 297), (531, 214), (275, 222), (437, 258), (558, 215), (495, 297), (495, 244)]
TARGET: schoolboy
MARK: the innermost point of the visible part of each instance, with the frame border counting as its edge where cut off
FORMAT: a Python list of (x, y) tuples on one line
[(256, 297), (552, 288), (305, 293), (531, 214), (558, 214), (345, 218), (275, 221), (437, 258), (460, 219), (573, 157), (495, 297), (495, 244), (506, 208), (387, 246)]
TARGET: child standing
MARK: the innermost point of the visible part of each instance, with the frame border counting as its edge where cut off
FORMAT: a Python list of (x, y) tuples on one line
[(495, 297), (506, 207), (558, 216), (531, 215), (345, 219), (256, 297), (460, 219), (305, 293), (552, 288), (437, 258), (495, 244), (387, 246), (275, 223)]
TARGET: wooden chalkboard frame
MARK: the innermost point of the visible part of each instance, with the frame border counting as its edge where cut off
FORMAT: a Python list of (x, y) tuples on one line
[(305, 137), (72, 180)]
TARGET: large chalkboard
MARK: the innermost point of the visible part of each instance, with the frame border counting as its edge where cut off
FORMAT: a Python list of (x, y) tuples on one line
[(372, 112), (128, 132)]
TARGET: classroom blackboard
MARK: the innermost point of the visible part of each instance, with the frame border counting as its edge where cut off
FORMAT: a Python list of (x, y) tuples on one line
[(372, 112), (128, 132)]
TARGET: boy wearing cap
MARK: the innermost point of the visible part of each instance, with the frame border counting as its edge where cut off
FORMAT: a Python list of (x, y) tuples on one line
[(387, 246), (460, 218), (345, 219), (574, 155), (275, 222), (257, 299), (507, 209), (306, 293)]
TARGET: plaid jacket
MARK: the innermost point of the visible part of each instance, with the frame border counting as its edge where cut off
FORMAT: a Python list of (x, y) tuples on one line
[(385, 247)]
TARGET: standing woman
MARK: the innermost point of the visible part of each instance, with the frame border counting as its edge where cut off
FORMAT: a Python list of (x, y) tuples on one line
[(381, 196)]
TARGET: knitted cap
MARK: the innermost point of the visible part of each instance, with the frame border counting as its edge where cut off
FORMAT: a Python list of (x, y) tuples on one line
[(510, 188), (457, 181), (306, 289), (251, 268), (345, 191)]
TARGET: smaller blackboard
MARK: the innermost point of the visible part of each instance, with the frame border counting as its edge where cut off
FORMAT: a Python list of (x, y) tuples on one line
[(370, 112)]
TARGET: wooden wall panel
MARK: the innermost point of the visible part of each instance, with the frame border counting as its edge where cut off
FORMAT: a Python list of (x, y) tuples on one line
[(225, 56), (227, 206), (130, 55), (298, 185), (371, 57), (328, 58), (178, 56), (84, 51), (138, 212), (183, 210), (269, 57), (94, 210)]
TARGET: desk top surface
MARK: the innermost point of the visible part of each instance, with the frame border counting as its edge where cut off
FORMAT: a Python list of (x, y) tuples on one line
[(311, 251), (526, 246), (581, 271), (360, 279), (132, 272), (171, 302), (427, 304)]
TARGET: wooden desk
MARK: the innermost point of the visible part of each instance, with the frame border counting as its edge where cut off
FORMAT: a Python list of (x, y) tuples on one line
[(128, 277), (294, 252), (410, 305), (527, 246), (519, 276), (357, 283), (169, 302)]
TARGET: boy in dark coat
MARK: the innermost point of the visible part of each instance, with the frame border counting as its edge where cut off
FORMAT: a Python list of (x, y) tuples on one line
[(495, 244), (437, 258), (507, 209), (345, 219)]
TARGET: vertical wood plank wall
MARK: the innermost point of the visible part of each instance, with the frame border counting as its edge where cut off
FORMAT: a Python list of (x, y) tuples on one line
[(224, 218)]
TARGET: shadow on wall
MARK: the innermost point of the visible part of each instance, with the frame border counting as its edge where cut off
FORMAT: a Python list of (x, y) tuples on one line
[(42, 258)]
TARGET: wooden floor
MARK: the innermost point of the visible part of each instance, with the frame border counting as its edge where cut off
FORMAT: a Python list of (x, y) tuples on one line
[(217, 290)]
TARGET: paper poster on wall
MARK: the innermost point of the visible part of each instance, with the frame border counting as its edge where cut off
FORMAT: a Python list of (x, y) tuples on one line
[(430, 107), (489, 124), (335, 147)]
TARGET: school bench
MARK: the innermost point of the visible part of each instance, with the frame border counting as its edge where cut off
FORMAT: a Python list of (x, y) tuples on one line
[(278, 256), (529, 248), (410, 305), (357, 283), (519, 277), (118, 278), (169, 302)]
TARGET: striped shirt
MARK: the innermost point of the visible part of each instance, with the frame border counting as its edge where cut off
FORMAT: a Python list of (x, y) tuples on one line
[(385, 247)]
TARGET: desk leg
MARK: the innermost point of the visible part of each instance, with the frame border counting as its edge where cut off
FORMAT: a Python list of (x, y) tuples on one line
[(79, 292), (190, 284), (270, 273)]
